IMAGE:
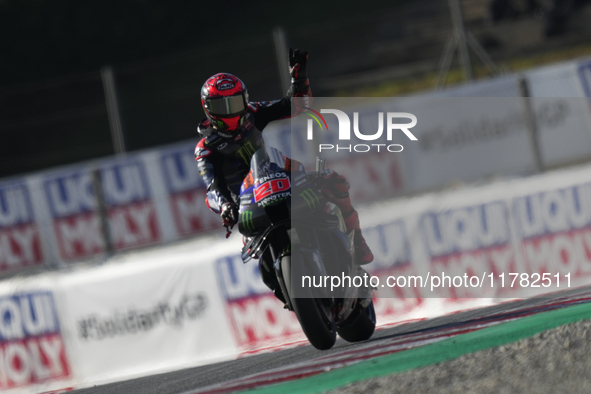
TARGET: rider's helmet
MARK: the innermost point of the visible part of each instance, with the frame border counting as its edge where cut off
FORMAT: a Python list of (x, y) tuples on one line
[(224, 98)]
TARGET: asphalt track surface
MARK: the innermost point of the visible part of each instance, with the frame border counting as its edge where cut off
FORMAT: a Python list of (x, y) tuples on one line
[(199, 378)]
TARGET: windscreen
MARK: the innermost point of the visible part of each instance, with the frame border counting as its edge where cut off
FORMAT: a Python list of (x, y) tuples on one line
[(266, 161), (271, 182)]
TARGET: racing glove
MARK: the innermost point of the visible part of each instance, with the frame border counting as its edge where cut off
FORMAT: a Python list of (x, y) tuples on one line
[(229, 214), (335, 188), (298, 70)]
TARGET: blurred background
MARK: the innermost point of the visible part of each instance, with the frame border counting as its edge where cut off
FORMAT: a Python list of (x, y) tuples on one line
[(110, 92), (53, 109), (99, 104)]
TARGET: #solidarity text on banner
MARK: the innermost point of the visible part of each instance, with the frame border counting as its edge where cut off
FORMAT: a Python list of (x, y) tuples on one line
[(160, 312)]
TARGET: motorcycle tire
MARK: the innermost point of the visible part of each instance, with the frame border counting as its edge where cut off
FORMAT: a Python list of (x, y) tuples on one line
[(319, 328), (361, 327)]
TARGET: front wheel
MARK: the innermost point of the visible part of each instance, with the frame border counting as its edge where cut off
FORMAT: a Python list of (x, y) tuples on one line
[(319, 328)]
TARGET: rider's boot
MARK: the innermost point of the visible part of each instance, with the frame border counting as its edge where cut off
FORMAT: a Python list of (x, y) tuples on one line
[(363, 254)]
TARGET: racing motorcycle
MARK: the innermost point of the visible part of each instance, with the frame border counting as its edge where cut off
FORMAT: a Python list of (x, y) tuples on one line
[(287, 221)]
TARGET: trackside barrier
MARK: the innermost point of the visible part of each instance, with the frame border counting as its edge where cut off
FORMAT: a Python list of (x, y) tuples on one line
[(157, 196), (32, 348), (182, 306), (538, 225), (511, 233), (155, 313), (194, 303), (20, 239)]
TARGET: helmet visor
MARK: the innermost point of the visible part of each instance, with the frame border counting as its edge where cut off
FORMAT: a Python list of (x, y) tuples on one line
[(225, 106)]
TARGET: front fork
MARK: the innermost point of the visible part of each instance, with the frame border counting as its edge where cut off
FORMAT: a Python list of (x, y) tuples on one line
[(277, 255), (314, 267), (281, 279)]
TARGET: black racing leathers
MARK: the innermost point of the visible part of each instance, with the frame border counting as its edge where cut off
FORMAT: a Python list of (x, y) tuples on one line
[(224, 160)]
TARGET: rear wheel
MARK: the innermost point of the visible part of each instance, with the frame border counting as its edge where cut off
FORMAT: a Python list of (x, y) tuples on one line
[(318, 327), (362, 325)]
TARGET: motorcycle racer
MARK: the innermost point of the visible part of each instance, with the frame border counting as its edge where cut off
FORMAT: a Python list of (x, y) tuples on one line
[(232, 132)]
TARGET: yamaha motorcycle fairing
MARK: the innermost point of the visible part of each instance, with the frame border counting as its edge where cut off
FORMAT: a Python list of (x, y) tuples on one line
[(301, 241)]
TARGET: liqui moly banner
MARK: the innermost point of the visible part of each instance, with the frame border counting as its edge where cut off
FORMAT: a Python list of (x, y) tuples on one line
[(73, 207), (256, 316), (473, 240), (390, 245), (20, 244), (509, 239), (186, 191), (31, 345), (554, 227)]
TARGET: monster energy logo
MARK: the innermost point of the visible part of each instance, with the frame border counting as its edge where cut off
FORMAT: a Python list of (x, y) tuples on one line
[(246, 152), (247, 221), (310, 197)]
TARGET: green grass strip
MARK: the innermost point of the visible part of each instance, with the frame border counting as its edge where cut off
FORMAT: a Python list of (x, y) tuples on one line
[(434, 353)]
